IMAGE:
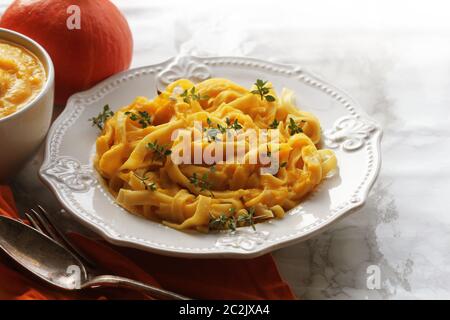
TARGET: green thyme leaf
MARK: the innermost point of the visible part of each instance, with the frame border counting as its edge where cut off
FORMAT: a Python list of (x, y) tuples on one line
[(142, 117), (148, 185), (201, 182), (269, 98), (222, 222), (221, 128), (293, 127), (247, 219), (230, 222), (263, 91), (159, 151), (102, 117), (274, 124), (235, 125), (191, 95)]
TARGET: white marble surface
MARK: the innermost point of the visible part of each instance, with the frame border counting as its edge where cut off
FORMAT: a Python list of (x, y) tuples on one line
[(394, 58)]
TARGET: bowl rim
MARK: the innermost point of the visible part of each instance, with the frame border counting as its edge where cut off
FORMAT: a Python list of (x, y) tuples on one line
[(50, 72)]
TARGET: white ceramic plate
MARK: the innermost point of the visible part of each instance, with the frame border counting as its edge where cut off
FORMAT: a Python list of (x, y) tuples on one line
[(68, 169)]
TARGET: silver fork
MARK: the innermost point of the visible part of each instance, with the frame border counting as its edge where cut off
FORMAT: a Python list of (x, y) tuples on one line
[(40, 220)]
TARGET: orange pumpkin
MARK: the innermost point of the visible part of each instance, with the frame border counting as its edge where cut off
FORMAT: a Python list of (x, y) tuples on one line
[(83, 53)]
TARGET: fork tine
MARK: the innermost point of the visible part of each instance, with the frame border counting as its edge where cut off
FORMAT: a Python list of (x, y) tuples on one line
[(47, 228), (41, 224), (34, 223), (61, 237)]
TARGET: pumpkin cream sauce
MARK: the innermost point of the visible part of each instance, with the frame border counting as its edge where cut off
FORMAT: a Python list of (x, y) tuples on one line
[(22, 76)]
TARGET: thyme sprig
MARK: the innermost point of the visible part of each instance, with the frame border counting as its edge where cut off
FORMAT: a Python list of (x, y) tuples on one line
[(263, 91), (201, 182), (102, 117), (247, 219), (192, 95), (225, 222), (142, 117), (233, 124), (274, 124), (148, 185), (212, 132), (222, 222), (159, 151), (294, 127)]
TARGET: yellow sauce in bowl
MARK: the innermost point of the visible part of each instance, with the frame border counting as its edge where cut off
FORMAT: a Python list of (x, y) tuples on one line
[(22, 77)]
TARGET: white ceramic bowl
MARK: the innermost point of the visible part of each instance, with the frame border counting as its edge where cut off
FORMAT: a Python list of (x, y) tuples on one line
[(23, 131)]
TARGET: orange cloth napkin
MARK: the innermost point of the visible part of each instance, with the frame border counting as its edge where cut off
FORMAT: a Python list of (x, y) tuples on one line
[(197, 278)]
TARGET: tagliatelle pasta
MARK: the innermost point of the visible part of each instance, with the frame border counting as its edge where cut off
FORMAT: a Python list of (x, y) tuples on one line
[(157, 167)]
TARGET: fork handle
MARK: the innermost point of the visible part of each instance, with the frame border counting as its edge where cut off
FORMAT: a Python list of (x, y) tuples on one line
[(116, 281)]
